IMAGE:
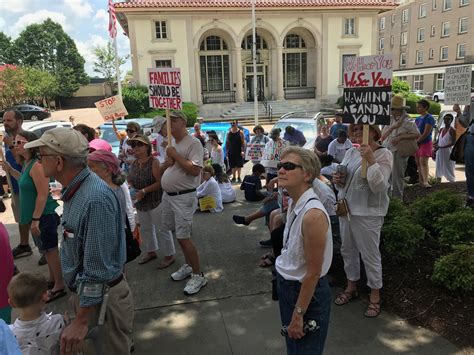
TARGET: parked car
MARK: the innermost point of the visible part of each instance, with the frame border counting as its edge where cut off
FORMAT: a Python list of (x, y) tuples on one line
[(306, 122), (438, 96), (423, 94), (30, 112), (40, 127), (107, 132)]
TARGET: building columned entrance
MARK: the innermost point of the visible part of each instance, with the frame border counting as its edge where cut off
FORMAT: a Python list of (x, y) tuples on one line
[(261, 79)]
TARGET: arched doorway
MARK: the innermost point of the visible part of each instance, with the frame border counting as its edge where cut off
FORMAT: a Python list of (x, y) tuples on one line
[(263, 62)]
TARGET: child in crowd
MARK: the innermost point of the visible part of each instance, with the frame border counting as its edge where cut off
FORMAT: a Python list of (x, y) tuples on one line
[(6, 273), (35, 330), (227, 192), (210, 187), (252, 184)]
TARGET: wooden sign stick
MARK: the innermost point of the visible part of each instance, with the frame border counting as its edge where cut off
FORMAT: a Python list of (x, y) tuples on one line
[(365, 140), (168, 126), (2, 157)]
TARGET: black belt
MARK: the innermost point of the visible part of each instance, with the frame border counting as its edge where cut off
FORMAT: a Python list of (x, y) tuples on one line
[(181, 192), (110, 284)]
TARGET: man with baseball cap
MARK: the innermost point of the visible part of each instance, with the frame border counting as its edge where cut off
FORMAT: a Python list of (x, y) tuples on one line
[(180, 179), (93, 253)]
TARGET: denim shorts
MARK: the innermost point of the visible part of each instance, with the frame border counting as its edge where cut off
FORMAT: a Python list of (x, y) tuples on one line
[(48, 239), (318, 309)]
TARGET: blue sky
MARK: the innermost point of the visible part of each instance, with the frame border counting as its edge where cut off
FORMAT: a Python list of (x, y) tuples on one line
[(85, 21)]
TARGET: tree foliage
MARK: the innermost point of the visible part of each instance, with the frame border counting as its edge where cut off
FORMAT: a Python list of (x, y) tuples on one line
[(105, 62), (5, 49), (39, 85), (12, 88), (400, 86)]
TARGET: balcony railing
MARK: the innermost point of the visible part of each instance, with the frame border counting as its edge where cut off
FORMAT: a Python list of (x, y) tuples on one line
[(300, 93), (218, 97)]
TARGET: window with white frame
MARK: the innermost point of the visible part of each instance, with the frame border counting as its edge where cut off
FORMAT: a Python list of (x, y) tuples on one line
[(445, 29), (419, 57), (433, 30), (403, 59), (393, 18), (461, 51), (422, 10), (447, 5), (402, 78), (161, 31), (295, 61), (431, 53), (439, 82), (382, 23), (350, 26), (404, 38), (434, 5), (443, 53), (214, 64), (381, 44), (163, 63), (421, 35), (418, 82), (463, 2), (405, 14), (462, 25)]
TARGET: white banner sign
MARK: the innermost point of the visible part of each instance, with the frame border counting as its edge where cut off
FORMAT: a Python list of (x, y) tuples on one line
[(254, 152), (457, 85), (111, 108), (164, 88)]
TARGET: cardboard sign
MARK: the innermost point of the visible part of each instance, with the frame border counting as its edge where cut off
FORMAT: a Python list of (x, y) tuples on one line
[(207, 203), (254, 152), (111, 108), (457, 85), (164, 88), (272, 156), (367, 89)]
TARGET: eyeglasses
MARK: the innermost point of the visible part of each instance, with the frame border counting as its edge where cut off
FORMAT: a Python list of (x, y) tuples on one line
[(137, 144), (288, 166), (19, 142), (40, 156), (233, 123), (130, 131)]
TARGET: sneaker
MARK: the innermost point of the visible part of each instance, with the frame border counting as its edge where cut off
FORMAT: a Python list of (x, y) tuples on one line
[(266, 243), (42, 261), (182, 273), (240, 220), (239, 181), (21, 251), (195, 284)]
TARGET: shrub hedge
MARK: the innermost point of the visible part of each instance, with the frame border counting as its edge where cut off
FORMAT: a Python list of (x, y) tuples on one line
[(455, 271), (402, 237), (456, 228)]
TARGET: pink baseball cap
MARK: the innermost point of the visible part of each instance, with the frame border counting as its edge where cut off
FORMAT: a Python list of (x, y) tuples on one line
[(100, 144)]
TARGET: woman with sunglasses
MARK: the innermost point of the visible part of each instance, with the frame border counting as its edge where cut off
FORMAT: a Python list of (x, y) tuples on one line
[(145, 177), (303, 288), (235, 150), (38, 209), (367, 202), (217, 154), (126, 151)]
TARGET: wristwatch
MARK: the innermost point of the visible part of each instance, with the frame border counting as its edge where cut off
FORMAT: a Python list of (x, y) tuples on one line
[(299, 310)]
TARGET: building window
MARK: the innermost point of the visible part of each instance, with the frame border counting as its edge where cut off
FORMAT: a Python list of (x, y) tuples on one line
[(405, 14), (350, 26), (160, 30), (402, 78), (418, 82), (163, 63), (439, 82), (382, 23), (393, 19), (463, 2), (260, 43), (422, 11), (462, 25), (443, 53), (447, 5), (421, 35), (404, 38), (445, 29), (392, 40), (214, 64), (433, 30), (461, 51), (419, 57), (434, 5), (403, 59), (295, 62), (431, 53), (381, 44)]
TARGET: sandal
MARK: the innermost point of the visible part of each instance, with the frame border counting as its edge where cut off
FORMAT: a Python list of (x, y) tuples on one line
[(147, 258), (54, 295), (50, 284), (373, 310), (266, 255), (268, 261), (345, 297), (165, 263)]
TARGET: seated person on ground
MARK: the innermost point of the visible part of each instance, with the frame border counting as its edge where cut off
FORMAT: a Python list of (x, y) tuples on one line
[(210, 187), (252, 184), (328, 168), (227, 192)]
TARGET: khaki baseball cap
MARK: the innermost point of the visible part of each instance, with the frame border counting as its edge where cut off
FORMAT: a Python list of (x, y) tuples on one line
[(178, 114), (64, 141), (140, 138)]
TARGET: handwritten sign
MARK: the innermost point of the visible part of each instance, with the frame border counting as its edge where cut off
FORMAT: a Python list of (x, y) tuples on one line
[(272, 153), (254, 152), (367, 89), (164, 88), (111, 108), (457, 85), (207, 203)]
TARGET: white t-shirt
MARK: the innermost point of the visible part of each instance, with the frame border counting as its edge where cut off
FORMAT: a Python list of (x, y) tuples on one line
[(130, 211), (227, 192), (338, 150), (329, 170), (291, 264), (211, 188), (39, 336), (326, 196), (128, 152)]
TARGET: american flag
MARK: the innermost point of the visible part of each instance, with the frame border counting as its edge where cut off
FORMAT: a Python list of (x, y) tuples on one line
[(112, 20)]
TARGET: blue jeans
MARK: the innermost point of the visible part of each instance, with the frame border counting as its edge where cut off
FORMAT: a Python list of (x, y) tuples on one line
[(469, 161), (318, 310)]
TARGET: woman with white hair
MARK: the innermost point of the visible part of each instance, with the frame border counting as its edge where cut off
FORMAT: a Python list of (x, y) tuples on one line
[(160, 138), (303, 289)]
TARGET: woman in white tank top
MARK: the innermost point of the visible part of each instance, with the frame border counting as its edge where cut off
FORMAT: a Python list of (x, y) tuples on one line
[(306, 256)]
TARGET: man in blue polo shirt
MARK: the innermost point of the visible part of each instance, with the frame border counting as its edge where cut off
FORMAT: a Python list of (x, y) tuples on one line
[(294, 136)]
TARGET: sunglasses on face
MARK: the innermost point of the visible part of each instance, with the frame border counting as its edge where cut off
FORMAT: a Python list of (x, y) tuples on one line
[(19, 142), (40, 156), (233, 123), (288, 166), (130, 131), (137, 144)]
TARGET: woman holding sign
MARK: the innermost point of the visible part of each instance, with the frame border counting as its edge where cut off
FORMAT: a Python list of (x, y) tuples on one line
[(425, 123), (362, 205)]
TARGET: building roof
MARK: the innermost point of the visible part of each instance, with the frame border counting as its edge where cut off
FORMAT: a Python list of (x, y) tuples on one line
[(248, 3)]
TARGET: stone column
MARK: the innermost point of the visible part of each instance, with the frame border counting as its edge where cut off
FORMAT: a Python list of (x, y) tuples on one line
[(239, 91), (280, 93), (197, 76)]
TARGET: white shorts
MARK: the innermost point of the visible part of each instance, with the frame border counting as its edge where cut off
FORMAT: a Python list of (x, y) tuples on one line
[(178, 212)]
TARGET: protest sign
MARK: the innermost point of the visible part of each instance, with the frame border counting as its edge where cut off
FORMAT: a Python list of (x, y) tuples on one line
[(457, 85), (111, 108), (367, 85), (272, 154), (254, 152), (207, 203), (164, 88)]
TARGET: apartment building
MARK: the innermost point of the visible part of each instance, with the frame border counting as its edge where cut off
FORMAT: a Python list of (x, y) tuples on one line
[(426, 37)]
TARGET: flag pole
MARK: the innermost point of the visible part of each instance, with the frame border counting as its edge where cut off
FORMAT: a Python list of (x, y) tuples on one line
[(254, 56), (117, 68)]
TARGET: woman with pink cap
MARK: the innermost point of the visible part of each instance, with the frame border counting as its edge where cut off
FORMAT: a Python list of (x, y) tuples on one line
[(99, 144)]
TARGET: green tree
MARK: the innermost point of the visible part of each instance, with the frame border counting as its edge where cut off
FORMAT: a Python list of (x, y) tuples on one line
[(400, 86), (12, 88), (105, 62), (46, 46), (5, 49), (40, 85)]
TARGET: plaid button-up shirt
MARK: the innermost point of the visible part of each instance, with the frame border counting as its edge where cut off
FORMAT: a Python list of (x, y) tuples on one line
[(93, 249)]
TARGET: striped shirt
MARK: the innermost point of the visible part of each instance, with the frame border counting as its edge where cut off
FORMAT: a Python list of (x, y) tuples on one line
[(93, 250)]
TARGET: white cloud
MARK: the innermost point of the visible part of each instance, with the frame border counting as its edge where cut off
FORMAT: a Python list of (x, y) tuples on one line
[(38, 17), (80, 8), (86, 49), (2, 24), (101, 19), (15, 6)]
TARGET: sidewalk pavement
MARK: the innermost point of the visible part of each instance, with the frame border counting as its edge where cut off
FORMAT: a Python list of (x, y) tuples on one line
[(234, 313)]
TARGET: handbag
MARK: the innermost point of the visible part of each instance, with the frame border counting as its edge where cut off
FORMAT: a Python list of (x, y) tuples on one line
[(342, 209), (132, 243), (457, 153), (407, 147)]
